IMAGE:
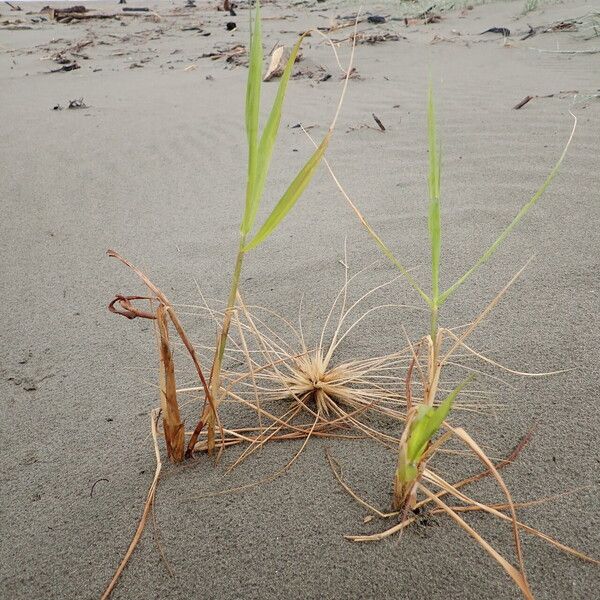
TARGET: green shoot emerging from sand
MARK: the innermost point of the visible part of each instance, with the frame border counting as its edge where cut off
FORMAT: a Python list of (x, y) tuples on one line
[(425, 418), (260, 150)]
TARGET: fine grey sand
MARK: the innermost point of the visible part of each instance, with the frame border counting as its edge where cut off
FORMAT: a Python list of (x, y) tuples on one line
[(155, 168)]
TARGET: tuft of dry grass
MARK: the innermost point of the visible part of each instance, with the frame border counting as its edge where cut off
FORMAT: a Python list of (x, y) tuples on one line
[(298, 391), (172, 424)]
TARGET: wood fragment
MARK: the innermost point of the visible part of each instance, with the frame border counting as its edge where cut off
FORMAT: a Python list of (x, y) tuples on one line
[(378, 121), (523, 102), (77, 103), (503, 31), (66, 68), (425, 18), (532, 31), (425, 12), (590, 51), (79, 13)]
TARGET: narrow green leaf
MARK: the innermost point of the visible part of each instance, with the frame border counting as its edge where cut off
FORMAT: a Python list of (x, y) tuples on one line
[(418, 439), (428, 423), (406, 472), (434, 218), (524, 210), (392, 258), (269, 135), (252, 112), (291, 195)]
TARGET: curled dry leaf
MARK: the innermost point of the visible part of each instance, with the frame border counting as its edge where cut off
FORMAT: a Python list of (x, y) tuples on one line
[(279, 59)]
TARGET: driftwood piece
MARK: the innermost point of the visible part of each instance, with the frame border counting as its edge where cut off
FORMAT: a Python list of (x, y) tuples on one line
[(71, 66), (503, 31), (523, 102), (425, 19), (378, 121), (561, 94), (80, 12)]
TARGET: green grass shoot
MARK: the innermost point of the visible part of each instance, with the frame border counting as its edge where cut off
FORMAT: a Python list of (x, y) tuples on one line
[(423, 422), (260, 151)]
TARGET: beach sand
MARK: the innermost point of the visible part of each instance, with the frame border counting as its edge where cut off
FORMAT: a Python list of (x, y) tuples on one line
[(154, 167)]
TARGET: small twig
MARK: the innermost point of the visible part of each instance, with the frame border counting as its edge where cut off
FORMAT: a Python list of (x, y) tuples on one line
[(94, 485), (378, 121), (523, 102), (590, 51)]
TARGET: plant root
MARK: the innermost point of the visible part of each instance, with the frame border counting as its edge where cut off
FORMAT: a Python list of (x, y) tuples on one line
[(148, 507)]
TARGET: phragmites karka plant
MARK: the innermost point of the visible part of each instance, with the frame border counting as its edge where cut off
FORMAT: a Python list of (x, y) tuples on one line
[(300, 390), (162, 312), (426, 416), (260, 150)]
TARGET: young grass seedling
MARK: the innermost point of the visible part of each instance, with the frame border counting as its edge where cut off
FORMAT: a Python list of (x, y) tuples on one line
[(424, 421), (417, 445), (260, 150)]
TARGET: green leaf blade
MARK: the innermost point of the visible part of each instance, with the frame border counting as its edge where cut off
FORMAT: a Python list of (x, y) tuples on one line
[(252, 113), (508, 230), (269, 135), (428, 424), (291, 195), (434, 216)]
